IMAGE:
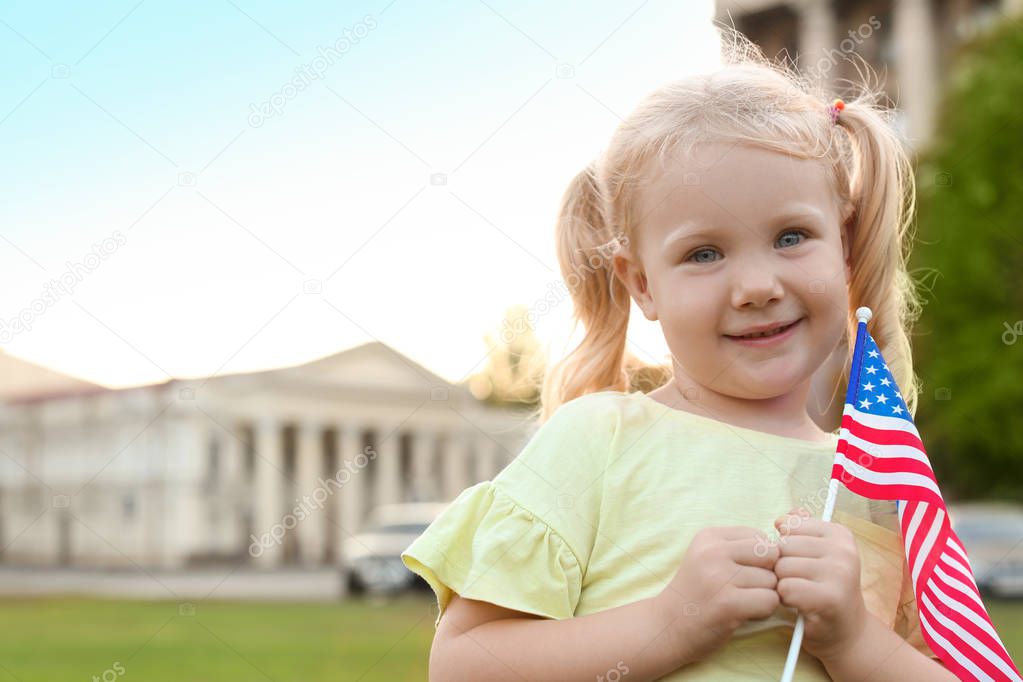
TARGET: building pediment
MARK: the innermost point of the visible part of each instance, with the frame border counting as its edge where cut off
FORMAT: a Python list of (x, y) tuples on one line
[(373, 370)]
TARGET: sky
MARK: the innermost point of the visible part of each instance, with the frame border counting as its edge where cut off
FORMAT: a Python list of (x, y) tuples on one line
[(194, 189)]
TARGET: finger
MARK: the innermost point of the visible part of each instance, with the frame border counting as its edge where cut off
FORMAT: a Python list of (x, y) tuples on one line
[(752, 577), (736, 532), (793, 524), (800, 593), (800, 567), (759, 602), (754, 551), (802, 545)]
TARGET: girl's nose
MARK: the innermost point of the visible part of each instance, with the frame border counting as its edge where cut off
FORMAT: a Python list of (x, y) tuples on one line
[(756, 287)]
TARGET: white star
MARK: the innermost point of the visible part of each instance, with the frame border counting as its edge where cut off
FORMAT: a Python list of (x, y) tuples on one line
[(897, 410), (871, 370), (884, 381), (882, 398), (868, 386), (873, 353), (864, 403)]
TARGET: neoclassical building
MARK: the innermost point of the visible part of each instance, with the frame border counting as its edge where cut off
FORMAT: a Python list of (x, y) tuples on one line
[(909, 42), (193, 472)]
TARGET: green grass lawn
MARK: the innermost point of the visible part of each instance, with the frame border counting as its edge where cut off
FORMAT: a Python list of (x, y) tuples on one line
[(45, 640)]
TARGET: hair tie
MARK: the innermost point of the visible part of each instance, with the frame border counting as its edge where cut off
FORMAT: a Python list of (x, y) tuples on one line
[(836, 108)]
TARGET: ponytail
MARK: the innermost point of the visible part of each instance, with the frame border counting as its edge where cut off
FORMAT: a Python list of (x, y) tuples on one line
[(883, 194), (585, 248)]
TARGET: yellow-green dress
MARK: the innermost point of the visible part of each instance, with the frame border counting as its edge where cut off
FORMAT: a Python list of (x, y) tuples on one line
[(598, 508)]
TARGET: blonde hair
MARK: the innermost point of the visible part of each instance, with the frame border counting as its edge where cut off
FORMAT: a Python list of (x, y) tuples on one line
[(754, 101)]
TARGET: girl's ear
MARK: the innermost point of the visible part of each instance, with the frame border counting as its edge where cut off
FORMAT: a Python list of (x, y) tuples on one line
[(631, 274)]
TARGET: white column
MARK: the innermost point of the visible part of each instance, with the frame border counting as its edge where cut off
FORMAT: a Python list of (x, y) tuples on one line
[(456, 458), (232, 466), (186, 500), (308, 472), (490, 457), (214, 504), (387, 472), (234, 489), (351, 497), (916, 62), (158, 518), (424, 470), (819, 53), (269, 487)]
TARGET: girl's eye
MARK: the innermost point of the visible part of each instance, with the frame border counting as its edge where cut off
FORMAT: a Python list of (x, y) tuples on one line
[(790, 232), (693, 257)]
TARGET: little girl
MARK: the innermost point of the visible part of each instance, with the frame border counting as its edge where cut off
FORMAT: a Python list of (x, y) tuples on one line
[(634, 535)]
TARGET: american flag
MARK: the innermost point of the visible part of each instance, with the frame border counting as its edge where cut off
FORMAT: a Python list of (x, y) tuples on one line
[(881, 456)]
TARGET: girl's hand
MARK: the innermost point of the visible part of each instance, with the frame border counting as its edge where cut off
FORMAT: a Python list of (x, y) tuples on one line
[(819, 575), (725, 579)]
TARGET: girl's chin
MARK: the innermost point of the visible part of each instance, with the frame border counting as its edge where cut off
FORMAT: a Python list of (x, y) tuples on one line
[(765, 385)]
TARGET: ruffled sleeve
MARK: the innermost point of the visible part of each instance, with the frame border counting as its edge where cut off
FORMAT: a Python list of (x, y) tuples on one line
[(523, 540), (487, 546)]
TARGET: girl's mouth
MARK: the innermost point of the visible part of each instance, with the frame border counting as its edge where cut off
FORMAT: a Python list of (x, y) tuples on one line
[(771, 338)]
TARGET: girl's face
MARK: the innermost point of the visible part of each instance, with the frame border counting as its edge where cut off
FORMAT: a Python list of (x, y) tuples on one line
[(735, 238)]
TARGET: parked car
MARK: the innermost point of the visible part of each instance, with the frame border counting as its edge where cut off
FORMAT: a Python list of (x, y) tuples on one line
[(992, 533), (372, 558)]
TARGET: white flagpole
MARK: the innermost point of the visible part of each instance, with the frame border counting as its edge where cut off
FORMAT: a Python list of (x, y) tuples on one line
[(863, 314)]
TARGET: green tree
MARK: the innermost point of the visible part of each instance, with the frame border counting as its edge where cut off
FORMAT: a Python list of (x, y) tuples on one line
[(968, 345), (515, 363)]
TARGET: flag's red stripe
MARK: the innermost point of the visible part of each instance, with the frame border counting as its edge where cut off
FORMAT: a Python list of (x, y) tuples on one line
[(908, 511), (882, 491), (933, 625), (969, 597), (957, 549), (928, 630), (966, 649), (944, 655), (940, 541), (888, 465), (913, 554), (893, 436), (975, 606), (964, 622), (954, 572), (959, 554)]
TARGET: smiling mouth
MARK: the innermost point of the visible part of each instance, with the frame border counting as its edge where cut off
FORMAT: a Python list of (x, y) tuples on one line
[(767, 334)]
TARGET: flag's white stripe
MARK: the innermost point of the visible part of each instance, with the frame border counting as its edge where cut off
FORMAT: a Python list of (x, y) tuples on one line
[(882, 478), (951, 648), (947, 558), (969, 639), (914, 523), (875, 421), (954, 545), (956, 605), (888, 451), (925, 547), (958, 584), (954, 562)]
